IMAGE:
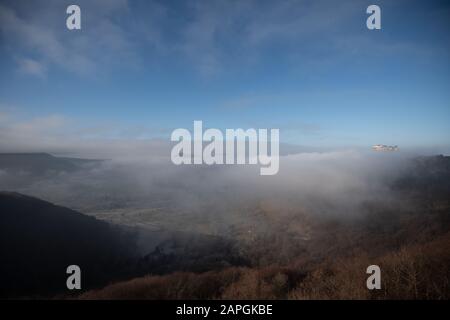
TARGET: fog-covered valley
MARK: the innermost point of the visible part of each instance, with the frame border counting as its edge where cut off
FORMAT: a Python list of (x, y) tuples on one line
[(204, 218)]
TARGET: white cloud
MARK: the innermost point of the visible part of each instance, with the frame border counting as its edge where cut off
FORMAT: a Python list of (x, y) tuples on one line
[(40, 31), (32, 67), (212, 36), (61, 135)]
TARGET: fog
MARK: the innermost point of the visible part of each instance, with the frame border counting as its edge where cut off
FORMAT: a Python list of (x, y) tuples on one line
[(138, 174), (336, 182)]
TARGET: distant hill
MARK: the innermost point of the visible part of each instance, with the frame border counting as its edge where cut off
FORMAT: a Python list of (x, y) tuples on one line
[(38, 240), (41, 163), (426, 177)]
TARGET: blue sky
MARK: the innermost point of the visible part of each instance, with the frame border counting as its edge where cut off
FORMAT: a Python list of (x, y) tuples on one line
[(139, 69)]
